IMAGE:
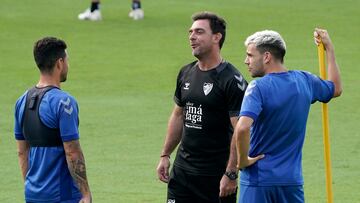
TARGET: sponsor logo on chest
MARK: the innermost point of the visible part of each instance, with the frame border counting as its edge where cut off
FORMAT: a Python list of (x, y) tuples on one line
[(193, 116)]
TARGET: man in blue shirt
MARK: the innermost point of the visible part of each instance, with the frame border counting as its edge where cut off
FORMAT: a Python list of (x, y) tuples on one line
[(46, 132), (271, 130)]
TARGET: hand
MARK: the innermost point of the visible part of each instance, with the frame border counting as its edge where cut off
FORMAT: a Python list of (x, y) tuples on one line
[(248, 162), (321, 35), (227, 186), (163, 169), (86, 199)]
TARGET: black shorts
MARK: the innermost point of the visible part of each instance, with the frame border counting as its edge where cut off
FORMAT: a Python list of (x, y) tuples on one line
[(188, 188)]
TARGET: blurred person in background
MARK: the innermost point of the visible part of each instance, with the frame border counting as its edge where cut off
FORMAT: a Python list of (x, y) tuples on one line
[(94, 14)]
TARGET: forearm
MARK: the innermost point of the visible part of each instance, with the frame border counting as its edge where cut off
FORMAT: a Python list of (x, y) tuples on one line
[(322, 36), (242, 133), (231, 166), (174, 132), (23, 152), (76, 164), (173, 136), (243, 143), (333, 70), (23, 163)]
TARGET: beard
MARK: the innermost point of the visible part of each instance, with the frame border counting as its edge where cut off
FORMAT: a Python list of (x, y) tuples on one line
[(200, 52), (63, 77), (257, 74), (258, 71)]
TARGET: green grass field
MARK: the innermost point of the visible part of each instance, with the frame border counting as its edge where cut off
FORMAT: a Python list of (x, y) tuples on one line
[(123, 75)]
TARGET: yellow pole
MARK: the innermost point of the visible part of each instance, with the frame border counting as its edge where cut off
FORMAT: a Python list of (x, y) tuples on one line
[(325, 123)]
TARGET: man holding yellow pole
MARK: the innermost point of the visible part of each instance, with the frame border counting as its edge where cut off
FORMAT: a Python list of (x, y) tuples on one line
[(271, 129)]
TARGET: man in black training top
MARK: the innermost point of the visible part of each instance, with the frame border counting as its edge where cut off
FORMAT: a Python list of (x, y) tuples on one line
[(208, 98)]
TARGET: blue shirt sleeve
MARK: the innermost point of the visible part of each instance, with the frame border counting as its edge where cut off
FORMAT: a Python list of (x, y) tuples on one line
[(19, 109), (252, 102), (68, 118), (322, 90), (59, 110)]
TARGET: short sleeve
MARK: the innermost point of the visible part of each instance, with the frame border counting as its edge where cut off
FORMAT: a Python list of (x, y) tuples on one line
[(19, 109), (177, 95), (322, 90), (252, 103), (68, 118), (234, 94)]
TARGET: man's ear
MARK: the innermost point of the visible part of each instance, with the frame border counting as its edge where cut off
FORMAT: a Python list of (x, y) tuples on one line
[(267, 57), (59, 64), (217, 37)]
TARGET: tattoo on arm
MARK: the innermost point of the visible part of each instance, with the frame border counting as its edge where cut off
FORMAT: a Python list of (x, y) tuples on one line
[(76, 165), (78, 172)]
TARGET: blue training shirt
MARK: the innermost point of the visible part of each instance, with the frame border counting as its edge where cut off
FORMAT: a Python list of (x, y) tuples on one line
[(48, 178), (279, 104)]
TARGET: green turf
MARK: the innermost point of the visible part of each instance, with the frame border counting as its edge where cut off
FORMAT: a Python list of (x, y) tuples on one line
[(123, 75)]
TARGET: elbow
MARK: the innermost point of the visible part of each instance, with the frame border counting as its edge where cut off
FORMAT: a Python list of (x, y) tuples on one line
[(338, 91), (71, 155), (240, 131), (22, 153)]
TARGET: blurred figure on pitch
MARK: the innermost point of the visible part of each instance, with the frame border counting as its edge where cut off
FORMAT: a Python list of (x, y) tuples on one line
[(93, 13), (271, 130)]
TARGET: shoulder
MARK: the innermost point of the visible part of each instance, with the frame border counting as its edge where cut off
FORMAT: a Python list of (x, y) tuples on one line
[(230, 72), (254, 84), (20, 102), (260, 85), (186, 70), (305, 75), (21, 99), (230, 77), (188, 67), (57, 96), (302, 73), (226, 68)]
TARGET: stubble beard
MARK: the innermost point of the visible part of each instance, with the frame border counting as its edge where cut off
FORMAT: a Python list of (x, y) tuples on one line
[(63, 77)]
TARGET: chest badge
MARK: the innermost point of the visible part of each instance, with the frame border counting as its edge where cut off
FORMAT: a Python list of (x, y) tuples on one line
[(207, 88), (187, 85)]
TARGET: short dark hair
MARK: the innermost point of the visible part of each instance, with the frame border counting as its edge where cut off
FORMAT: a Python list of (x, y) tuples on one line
[(47, 51), (217, 23)]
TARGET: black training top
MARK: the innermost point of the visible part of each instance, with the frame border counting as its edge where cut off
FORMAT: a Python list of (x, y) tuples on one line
[(209, 99)]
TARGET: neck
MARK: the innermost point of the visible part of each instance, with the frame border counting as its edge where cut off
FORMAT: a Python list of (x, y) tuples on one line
[(210, 62), (276, 68), (48, 80)]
